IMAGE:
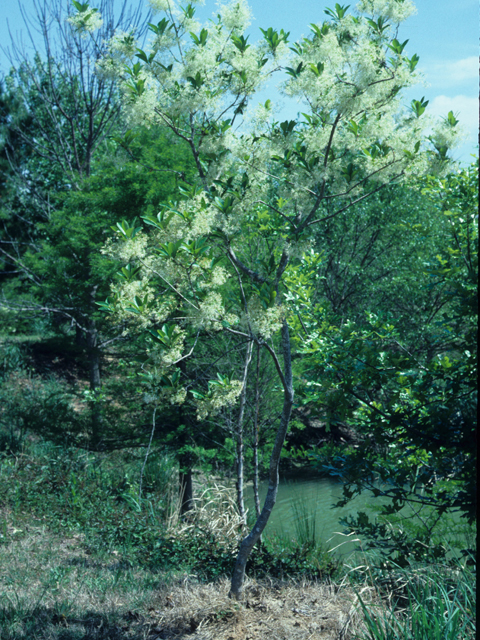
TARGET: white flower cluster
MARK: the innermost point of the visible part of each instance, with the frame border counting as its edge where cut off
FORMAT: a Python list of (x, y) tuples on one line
[(354, 134), (212, 313), (263, 322), (220, 396), (122, 48), (85, 22), (395, 10), (123, 44), (187, 72), (125, 251), (164, 357), (161, 5), (236, 15)]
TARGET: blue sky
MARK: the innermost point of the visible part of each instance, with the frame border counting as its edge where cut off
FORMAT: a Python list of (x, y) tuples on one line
[(444, 33)]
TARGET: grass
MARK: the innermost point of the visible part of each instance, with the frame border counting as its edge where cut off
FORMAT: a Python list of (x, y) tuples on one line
[(83, 556), (53, 589), (429, 603), (97, 495)]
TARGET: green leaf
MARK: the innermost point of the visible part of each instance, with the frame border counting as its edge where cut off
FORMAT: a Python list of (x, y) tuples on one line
[(165, 335), (81, 7), (196, 81), (317, 69), (170, 249), (128, 273), (339, 12), (143, 56), (105, 306), (136, 88), (160, 28), (240, 42), (201, 40), (295, 72), (287, 127), (274, 38), (197, 247), (451, 120), (139, 305), (135, 70), (412, 62), (397, 47), (380, 26), (320, 32), (161, 220), (126, 230)]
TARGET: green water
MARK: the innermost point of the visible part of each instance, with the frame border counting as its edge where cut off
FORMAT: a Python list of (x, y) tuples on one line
[(312, 498)]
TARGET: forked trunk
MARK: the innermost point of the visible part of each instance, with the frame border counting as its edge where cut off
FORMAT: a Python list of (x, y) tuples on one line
[(249, 542)]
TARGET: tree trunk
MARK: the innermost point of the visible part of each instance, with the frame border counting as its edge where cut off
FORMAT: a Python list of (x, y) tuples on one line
[(256, 495), (93, 355), (185, 461), (240, 445), (185, 485), (248, 543)]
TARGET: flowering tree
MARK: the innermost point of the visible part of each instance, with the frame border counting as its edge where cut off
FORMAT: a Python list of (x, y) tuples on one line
[(224, 257)]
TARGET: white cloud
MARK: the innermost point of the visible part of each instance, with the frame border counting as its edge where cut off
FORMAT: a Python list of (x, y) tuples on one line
[(452, 73)]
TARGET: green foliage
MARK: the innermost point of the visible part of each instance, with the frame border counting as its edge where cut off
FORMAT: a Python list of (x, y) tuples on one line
[(380, 299), (68, 260), (438, 604), (54, 403), (409, 394)]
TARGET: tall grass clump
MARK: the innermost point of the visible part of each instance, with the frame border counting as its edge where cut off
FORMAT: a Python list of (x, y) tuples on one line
[(303, 555), (429, 602)]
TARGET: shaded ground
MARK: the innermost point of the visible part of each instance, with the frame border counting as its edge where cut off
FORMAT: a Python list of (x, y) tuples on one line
[(51, 589)]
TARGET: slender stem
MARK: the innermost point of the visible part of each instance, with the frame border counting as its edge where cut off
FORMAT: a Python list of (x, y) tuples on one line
[(256, 435), (146, 455), (252, 538), (240, 443)]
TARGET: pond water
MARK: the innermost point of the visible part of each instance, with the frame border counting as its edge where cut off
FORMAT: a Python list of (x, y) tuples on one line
[(310, 499)]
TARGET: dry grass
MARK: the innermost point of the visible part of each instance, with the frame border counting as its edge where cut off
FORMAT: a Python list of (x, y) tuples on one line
[(274, 610), (214, 512), (51, 589)]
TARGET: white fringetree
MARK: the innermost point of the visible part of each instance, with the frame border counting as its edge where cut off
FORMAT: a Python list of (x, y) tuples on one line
[(225, 256)]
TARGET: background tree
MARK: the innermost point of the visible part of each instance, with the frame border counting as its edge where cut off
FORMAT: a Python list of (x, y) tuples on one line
[(58, 263), (61, 109), (414, 404)]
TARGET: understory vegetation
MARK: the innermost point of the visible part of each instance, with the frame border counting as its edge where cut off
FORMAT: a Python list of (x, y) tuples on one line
[(83, 555)]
